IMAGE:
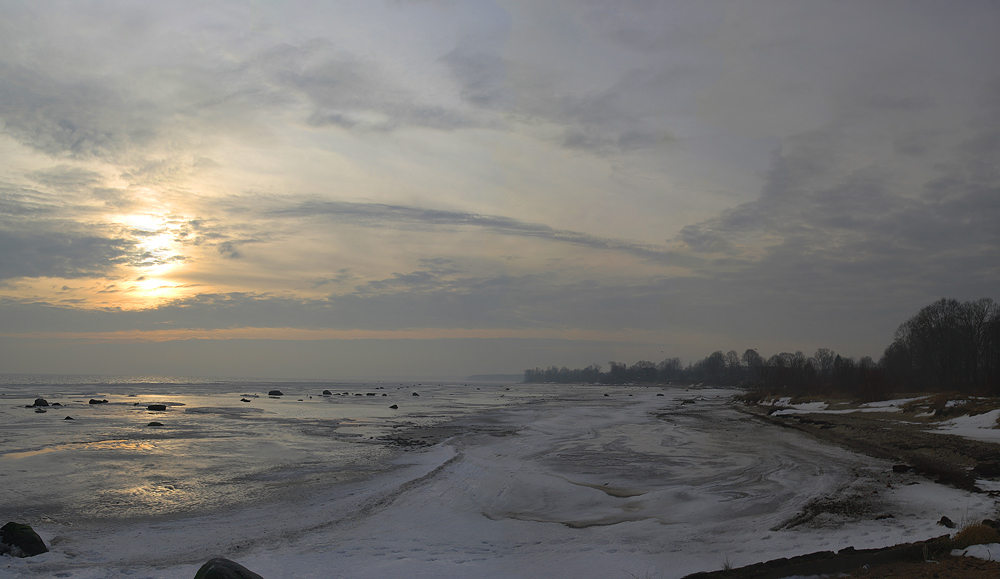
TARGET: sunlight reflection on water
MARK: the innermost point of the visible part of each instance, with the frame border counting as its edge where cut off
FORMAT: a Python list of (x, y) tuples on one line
[(212, 449)]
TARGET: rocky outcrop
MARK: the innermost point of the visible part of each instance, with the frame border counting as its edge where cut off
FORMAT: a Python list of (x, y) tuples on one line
[(40, 402), (828, 563), (20, 540), (220, 568)]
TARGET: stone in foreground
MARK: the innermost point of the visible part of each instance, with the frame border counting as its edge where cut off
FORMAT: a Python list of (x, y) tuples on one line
[(20, 540), (220, 568)]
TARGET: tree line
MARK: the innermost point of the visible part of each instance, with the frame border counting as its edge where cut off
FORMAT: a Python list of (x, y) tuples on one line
[(947, 346)]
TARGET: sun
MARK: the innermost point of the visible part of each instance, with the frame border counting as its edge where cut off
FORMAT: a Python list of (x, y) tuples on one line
[(157, 258)]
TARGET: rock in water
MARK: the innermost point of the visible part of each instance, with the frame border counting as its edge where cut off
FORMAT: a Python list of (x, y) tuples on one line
[(154, 423), (220, 568), (946, 522), (271, 393), (394, 407), (93, 401), (327, 393), (68, 418), (40, 402), (20, 540), (157, 407)]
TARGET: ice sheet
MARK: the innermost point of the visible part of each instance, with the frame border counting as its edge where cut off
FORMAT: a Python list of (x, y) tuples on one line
[(561, 482)]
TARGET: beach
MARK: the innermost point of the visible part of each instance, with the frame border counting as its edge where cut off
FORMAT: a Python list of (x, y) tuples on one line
[(509, 480)]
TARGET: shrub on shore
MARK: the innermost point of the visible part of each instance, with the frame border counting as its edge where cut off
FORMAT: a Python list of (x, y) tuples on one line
[(977, 534)]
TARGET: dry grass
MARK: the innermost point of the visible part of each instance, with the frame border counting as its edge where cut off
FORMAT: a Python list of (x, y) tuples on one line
[(951, 404), (977, 534)]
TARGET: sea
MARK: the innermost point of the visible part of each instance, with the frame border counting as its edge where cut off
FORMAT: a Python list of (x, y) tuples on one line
[(148, 477), (99, 452)]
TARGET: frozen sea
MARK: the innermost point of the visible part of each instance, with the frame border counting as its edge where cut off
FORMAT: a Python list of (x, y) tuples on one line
[(509, 480)]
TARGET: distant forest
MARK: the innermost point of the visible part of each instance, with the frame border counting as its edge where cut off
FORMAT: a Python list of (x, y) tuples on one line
[(947, 346)]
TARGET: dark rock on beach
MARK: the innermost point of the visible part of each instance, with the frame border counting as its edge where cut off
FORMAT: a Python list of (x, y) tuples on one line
[(94, 401), (415, 394), (327, 393), (828, 563), (68, 418), (274, 393), (244, 400), (154, 423), (220, 568), (394, 407), (987, 469), (40, 402), (157, 407), (20, 540)]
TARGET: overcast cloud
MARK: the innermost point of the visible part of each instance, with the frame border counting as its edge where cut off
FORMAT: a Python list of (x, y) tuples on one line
[(583, 181)]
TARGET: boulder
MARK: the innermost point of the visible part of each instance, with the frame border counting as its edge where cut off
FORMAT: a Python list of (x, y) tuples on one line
[(220, 568), (154, 423), (945, 521), (901, 468), (415, 394), (40, 402), (68, 418), (327, 393), (273, 393), (40, 410), (93, 401), (987, 469), (157, 407), (244, 400), (20, 540), (394, 407)]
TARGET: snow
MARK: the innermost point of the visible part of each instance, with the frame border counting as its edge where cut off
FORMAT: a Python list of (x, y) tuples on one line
[(979, 427), (552, 481), (990, 552), (823, 408)]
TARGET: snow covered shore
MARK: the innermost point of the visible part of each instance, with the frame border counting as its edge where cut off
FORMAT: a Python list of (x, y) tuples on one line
[(572, 484)]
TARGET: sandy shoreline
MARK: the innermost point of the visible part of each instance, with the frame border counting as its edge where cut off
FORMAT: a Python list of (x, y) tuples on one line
[(898, 437), (912, 441)]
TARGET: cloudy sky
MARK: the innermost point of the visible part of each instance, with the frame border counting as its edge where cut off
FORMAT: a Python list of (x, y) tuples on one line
[(445, 187)]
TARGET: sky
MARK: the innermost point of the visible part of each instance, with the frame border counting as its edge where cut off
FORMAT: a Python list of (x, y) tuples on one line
[(365, 189)]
